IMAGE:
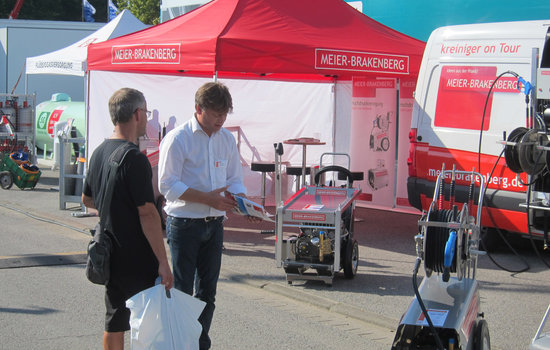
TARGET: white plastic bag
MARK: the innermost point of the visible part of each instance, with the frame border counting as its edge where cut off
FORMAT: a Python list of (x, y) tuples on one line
[(162, 323)]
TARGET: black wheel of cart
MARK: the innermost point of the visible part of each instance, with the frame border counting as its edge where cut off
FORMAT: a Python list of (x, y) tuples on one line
[(482, 341), (6, 180), (351, 258)]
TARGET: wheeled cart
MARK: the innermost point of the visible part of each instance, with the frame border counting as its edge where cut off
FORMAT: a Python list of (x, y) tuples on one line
[(324, 216), (446, 312), (22, 173)]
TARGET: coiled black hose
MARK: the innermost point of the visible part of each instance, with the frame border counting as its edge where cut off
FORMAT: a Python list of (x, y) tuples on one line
[(436, 239)]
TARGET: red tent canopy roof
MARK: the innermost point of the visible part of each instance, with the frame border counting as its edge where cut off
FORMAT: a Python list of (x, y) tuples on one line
[(326, 37)]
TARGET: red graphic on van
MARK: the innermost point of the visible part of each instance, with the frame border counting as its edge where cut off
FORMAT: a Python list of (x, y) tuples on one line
[(462, 95)]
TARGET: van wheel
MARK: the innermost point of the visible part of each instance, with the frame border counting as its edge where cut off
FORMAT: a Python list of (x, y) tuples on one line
[(490, 239)]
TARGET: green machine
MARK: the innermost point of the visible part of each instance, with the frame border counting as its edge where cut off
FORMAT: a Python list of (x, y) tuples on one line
[(59, 108)]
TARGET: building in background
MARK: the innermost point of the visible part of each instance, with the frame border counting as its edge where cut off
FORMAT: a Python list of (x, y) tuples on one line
[(173, 8)]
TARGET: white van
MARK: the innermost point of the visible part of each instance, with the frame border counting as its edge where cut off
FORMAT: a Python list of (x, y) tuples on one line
[(457, 122)]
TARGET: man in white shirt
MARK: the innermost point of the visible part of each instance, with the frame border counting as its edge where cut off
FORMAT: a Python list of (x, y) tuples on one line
[(198, 162)]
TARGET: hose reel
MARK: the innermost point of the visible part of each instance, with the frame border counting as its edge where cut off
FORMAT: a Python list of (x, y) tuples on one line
[(522, 153), (446, 242), (511, 154)]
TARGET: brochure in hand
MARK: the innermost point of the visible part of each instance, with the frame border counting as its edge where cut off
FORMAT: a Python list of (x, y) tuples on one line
[(247, 207)]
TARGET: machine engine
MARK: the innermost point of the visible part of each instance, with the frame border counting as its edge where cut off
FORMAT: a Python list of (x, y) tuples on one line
[(315, 245)]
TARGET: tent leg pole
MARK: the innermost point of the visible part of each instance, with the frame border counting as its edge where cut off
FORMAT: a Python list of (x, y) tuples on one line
[(334, 115), (397, 97)]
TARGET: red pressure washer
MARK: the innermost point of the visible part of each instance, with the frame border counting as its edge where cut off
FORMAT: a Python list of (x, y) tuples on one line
[(324, 216), (446, 311)]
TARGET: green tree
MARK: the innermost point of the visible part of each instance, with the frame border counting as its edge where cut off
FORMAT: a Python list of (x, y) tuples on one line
[(147, 11)]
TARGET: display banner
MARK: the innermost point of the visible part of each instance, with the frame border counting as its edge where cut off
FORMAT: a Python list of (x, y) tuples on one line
[(264, 112), (373, 138), (361, 61), (146, 54)]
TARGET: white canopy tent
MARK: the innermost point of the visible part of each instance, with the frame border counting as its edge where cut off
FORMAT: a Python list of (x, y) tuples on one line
[(71, 60)]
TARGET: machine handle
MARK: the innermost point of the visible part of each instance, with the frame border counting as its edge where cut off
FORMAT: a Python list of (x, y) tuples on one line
[(337, 168)]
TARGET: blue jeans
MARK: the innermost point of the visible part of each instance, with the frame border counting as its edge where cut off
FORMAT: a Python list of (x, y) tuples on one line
[(196, 246)]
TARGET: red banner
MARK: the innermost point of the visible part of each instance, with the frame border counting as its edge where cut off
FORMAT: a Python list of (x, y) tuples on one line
[(361, 61), (146, 53)]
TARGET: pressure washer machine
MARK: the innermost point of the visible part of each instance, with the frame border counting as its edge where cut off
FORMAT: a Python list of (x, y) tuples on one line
[(541, 340), (324, 216), (445, 313)]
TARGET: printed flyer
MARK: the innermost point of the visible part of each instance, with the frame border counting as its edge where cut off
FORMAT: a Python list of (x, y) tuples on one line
[(249, 208)]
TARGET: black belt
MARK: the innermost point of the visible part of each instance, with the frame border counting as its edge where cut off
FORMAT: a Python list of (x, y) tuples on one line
[(207, 219)]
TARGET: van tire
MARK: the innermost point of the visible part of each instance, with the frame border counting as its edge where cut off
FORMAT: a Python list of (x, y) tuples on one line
[(490, 239)]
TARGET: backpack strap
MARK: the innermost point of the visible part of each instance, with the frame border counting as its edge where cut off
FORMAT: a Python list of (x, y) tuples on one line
[(115, 161)]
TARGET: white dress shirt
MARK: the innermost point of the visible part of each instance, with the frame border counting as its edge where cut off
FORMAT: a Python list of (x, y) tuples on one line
[(189, 158)]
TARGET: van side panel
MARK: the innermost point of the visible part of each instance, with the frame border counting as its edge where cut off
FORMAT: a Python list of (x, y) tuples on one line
[(467, 100)]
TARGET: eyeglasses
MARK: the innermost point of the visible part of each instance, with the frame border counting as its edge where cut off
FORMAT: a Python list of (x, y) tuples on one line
[(147, 113)]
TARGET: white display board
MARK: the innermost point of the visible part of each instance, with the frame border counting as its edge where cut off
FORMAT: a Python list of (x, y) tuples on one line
[(264, 112)]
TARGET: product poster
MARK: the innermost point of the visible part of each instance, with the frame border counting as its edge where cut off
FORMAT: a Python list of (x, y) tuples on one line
[(373, 138)]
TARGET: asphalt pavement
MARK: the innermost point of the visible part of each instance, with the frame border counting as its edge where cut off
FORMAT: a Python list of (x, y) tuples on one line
[(514, 303)]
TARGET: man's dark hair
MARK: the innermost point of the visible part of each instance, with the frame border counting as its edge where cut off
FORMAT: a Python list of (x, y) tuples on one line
[(214, 96), (123, 103)]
